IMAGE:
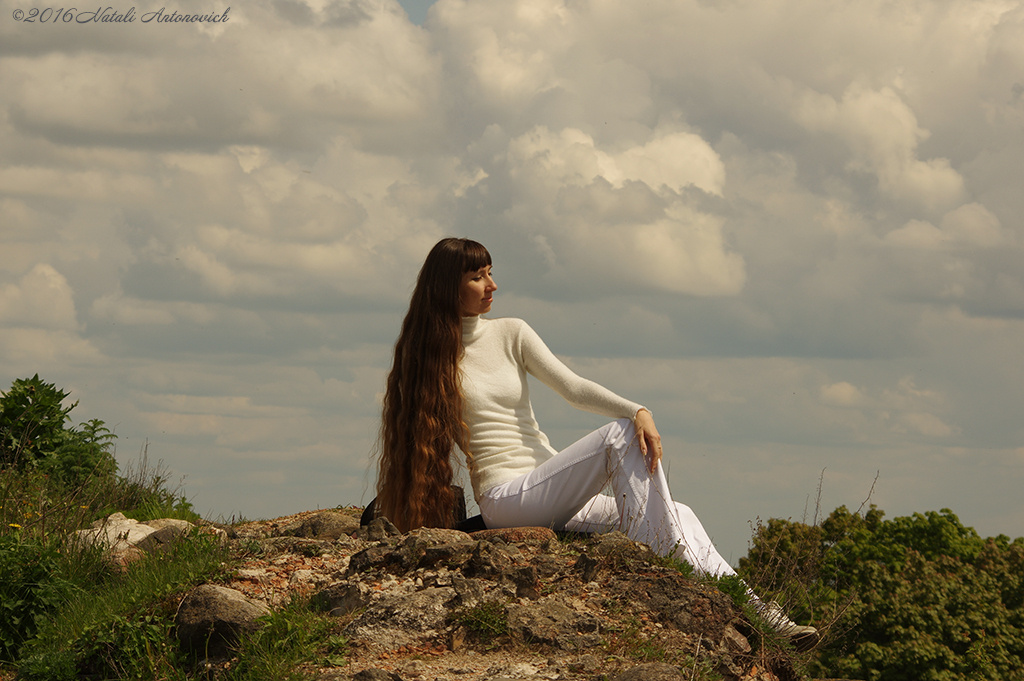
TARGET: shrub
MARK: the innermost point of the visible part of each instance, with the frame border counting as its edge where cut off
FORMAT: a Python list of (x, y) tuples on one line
[(31, 588), (62, 613), (917, 597), (33, 434)]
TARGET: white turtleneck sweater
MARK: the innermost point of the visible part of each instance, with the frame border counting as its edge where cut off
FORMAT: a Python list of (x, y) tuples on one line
[(504, 438)]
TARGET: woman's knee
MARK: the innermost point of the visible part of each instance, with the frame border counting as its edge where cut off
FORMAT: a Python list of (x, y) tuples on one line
[(620, 429), (619, 439)]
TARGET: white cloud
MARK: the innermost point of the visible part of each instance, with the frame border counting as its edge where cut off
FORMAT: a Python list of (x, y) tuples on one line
[(84, 185), (597, 227), (969, 226), (673, 160), (882, 134), (506, 46), (972, 225), (41, 299), (25, 351), (841, 394), (130, 311)]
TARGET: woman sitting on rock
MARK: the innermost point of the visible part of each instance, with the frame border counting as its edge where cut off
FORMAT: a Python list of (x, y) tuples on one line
[(459, 379)]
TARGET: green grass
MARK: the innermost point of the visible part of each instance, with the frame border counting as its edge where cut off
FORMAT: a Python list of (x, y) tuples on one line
[(290, 639), (486, 620), (120, 628), (632, 641)]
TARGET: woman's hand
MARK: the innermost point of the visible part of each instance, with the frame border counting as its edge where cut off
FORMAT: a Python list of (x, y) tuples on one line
[(650, 441)]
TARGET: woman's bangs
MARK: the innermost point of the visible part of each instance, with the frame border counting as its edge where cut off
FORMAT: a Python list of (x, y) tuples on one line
[(476, 256)]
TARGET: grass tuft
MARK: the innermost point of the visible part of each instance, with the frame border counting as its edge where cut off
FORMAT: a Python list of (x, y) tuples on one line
[(291, 637)]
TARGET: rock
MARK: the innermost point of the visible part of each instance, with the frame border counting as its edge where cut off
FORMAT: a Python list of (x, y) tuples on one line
[(518, 534), (427, 547), (734, 641), (342, 598), (125, 540), (526, 581), (675, 600), (576, 609), (121, 559), (182, 526), (585, 663), (290, 544), (553, 623), (613, 552), (653, 671), (210, 618), (324, 525), (377, 530), (488, 560), (405, 619), (115, 532), (377, 556), (422, 548), (376, 675), (306, 580), (468, 592), (161, 539)]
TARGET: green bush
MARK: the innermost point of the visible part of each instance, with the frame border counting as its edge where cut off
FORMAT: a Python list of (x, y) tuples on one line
[(31, 588), (33, 434), (62, 612), (917, 597)]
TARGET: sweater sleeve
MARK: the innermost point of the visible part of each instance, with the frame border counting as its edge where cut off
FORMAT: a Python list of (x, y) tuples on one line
[(581, 393)]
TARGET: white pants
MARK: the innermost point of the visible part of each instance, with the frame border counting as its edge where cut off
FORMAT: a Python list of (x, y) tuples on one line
[(564, 493)]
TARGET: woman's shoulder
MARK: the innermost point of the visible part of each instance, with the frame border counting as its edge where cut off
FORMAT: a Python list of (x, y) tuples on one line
[(512, 326), (515, 333)]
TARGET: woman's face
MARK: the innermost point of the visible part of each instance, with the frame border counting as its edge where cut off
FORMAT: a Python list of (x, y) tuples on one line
[(475, 293)]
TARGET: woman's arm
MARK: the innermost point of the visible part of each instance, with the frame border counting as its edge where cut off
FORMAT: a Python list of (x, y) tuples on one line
[(585, 394)]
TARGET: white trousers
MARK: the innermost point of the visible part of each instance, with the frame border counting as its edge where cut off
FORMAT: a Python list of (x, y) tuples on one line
[(564, 493)]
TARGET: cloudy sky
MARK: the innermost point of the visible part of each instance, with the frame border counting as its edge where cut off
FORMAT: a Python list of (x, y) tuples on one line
[(791, 228)]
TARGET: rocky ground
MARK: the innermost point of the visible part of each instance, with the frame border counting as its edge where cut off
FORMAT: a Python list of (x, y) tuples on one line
[(498, 604)]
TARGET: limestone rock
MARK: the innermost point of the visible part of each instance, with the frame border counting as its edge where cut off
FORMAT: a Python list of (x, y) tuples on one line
[(116, 532), (376, 675), (324, 525), (125, 540), (210, 618), (405, 619), (422, 548), (343, 598), (586, 604), (553, 623), (378, 529), (733, 641)]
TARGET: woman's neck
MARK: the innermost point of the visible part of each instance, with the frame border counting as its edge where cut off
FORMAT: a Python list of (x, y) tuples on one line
[(470, 327)]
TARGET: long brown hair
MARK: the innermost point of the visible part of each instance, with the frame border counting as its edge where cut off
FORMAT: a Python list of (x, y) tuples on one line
[(422, 417)]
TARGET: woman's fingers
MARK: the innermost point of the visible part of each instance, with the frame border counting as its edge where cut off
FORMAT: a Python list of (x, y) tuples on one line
[(650, 440), (654, 446)]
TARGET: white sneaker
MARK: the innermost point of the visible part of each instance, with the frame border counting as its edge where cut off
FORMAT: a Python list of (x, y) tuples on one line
[(803, 637)]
